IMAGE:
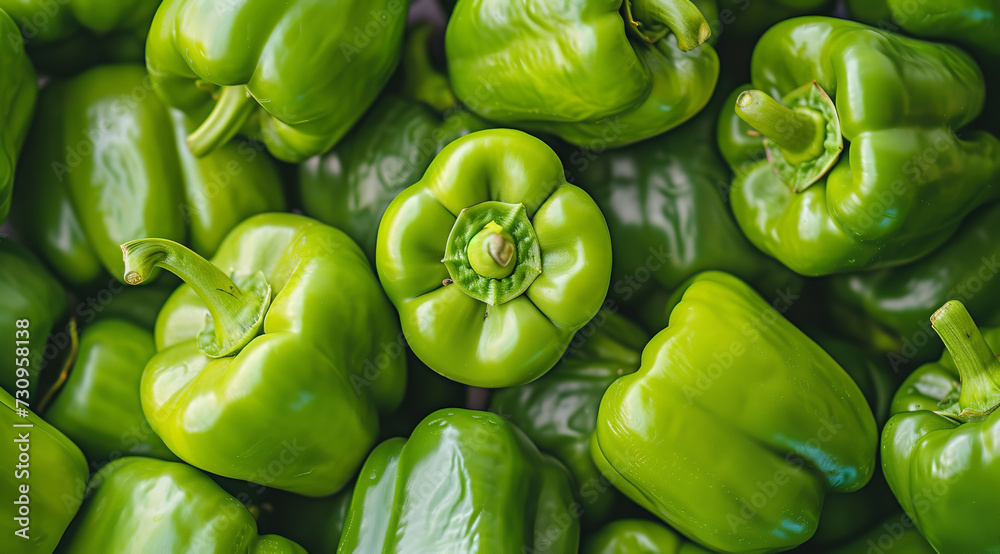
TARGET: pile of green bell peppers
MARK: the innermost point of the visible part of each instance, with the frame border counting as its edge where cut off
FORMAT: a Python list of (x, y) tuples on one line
[(499, 276)]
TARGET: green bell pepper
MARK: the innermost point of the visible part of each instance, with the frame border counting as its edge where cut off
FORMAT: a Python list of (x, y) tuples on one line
[(558, 412), (889, 307), (105, 163), (666, 206), (98, 407), (299, 75), (638, 536), (493, 260), (597, 74), (729, 375), (148, 505), (65, 36), (43, 482), (464, 481), (32, 303), (906, 182), (939, 452), (17, 102), (389, 149), (214, 394), (971, 23)]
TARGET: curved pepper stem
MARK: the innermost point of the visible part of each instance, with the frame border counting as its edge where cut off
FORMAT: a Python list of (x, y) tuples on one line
[(234, 107), (978, 366), (798, 132), (420, 79), (651, 20), (237, 305)]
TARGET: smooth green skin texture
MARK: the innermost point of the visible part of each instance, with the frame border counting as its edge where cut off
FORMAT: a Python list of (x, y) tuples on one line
[(319, 378), (148, 505), (56, 480), (558, 412), (274, 51), (572, 69), (457, 335), (465, 481), (666, 207), (904, 184), (943, 472), (17, 103), (105, 163), (972, 23), (350, 186), (27, 291), (894, 535), (98, 407), (638, 536), (894, 304), (730, 375), (66, 36), (313, 523)]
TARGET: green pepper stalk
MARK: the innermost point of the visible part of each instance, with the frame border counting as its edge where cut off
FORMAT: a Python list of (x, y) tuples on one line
[(237, 311), (652, 20), (978, 366), (807, 134)]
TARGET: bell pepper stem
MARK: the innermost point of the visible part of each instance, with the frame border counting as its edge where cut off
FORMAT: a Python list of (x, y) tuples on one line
[(492, 252), (232, 109), (237, 310), (652, 19), (421, 80), (978, 366), (799, 132)]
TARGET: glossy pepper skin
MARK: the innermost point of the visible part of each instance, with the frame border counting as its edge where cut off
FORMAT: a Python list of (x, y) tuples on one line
[(638, 536), (389, 149), (971, 23), (730, 375), (939, 451), (583, 70), (465, 481), (558, 412), (493, 260), (213, 394), (904, 181), (148, 505), (253, 65), (895, 301), (98, 406), (105, 163), (17, 102), (27, 292), (65, 36), (666, 206), (55, 475)]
